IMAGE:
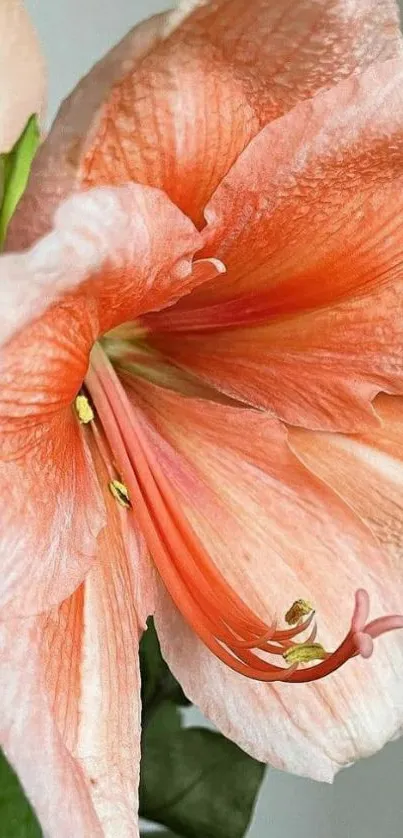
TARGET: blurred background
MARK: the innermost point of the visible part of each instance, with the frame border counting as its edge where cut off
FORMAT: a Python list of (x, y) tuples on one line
[(366, 801)]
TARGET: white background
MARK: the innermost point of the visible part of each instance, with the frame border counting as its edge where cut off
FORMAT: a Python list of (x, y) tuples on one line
[(366, 801)]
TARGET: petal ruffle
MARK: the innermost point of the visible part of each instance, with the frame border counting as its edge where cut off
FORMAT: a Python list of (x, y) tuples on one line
[(124, 251), (22, 72), (179, 117), (70, 703), (106, 260)]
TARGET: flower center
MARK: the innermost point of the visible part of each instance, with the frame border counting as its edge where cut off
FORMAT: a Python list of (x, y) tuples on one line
[(130, 353), (217, 614)]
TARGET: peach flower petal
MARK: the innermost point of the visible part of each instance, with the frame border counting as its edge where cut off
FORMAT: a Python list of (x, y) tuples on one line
[(309, 39), (277, 535), (178, 122), (182, 110), (22, 72), (274, 530), (70, 698), (54, 171), (125, 250), (307, 217), (366, 469), (51, 513), (32, 742), (183, 117), (318, 370), (90, 658), (110, 255), (310, 211)]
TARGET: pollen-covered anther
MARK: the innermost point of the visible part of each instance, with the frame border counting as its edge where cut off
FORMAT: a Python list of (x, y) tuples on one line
[(120, 493), (299, 609), (305, 653), (84, 410)]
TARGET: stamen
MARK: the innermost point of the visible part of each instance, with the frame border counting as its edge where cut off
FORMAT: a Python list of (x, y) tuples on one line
[(299, 609), (215, 612), (83, 409), (289, 634), (305, 653), (120, 493)]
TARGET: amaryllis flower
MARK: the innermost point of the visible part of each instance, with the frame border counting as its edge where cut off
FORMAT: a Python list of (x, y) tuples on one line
[(201, 407)]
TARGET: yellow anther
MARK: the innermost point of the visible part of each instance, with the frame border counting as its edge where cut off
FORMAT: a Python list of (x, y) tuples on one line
[(305, 653), (300, 608), (120, 493), (84, 410)]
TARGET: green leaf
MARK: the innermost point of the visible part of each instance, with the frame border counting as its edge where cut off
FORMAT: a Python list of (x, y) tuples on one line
[(157, 680), (16, 816), (194, 781), (15, 167), (164, 834)]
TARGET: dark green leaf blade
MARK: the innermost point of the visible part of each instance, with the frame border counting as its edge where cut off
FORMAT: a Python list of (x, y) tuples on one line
[(17, 819), (194, 781), (164, 834), (14, 172)]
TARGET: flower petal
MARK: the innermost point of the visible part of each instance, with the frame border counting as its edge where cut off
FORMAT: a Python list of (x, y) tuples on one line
[(177, 122), (277, 535), (182, 118), (322, 227), (105, 699), (179, 118), (298, 35), (366, 469), (318, 370), (54, 172), (51, 513), (310, 211), (307, 729), (312, 729), (108, 259), (79, 696), (22, 72), (126, 250), (32, 741), (110, 256), (274, 530)]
